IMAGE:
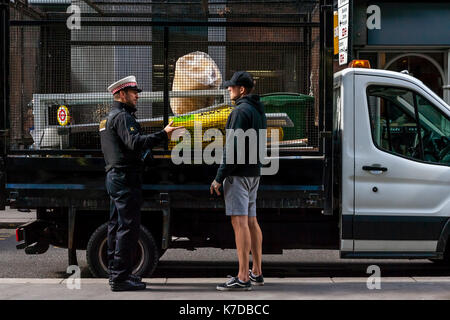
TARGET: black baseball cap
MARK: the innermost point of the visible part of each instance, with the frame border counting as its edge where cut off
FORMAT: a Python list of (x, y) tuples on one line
[(240, 78)]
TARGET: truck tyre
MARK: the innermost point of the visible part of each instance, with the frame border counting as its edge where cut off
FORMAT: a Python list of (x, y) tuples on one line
[(147, 253), (446, 259), (441, 262)]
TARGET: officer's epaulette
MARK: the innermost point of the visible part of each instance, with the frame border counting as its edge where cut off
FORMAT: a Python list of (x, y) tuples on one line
[(102, 125)]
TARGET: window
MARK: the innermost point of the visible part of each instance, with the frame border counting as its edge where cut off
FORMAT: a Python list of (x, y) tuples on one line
[(393, 115), (420, 67), (435, 132)]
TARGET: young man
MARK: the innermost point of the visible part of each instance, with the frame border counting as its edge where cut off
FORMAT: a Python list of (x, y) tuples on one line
[(241, 181), (123, 144)]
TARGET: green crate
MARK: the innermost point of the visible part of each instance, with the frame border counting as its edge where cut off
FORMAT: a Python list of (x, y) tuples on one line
[(295, 105)]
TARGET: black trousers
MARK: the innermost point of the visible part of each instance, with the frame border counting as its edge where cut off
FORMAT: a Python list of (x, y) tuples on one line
[(124, 189)]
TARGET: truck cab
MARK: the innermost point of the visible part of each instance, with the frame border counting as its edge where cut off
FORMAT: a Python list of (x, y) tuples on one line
[(393, 138)]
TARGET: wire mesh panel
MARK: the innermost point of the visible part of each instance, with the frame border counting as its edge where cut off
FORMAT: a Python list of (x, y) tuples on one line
[(179, 52)]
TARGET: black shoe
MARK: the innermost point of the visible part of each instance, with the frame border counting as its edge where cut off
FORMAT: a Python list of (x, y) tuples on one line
[(135, 278), (131, 277), (127, 285), (256, 280), (234, 284)]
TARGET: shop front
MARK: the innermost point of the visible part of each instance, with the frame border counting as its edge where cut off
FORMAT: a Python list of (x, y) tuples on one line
[(412, 36)]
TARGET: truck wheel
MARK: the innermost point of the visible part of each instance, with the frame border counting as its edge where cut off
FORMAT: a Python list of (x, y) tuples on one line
[(446, 259), (147, 255), (440, 262)]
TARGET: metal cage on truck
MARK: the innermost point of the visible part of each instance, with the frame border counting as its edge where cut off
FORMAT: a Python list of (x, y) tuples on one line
[(58, 169)]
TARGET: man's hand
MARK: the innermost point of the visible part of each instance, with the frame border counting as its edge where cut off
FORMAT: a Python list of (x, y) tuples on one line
[(169, 129), (215, 186)]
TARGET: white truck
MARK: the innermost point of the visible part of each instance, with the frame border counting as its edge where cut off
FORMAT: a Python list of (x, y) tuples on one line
[(364, 166), (387, 196)]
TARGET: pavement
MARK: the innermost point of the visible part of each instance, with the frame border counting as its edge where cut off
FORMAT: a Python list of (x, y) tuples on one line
[(12, 218), (407, 288)]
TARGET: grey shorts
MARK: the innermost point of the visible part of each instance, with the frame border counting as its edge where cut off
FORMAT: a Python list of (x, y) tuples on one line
[(240, 195)]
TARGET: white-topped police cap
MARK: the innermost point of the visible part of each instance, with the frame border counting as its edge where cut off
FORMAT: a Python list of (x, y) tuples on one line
[(127, 82)]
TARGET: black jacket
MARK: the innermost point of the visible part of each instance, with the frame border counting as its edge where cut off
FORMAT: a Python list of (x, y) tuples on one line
[(122, 140), (248, 114)]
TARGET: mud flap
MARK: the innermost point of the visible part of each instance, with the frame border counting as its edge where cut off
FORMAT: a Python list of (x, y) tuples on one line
[(33, 236)]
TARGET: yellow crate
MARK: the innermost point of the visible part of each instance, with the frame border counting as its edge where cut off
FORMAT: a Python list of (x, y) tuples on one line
[(210, 119)]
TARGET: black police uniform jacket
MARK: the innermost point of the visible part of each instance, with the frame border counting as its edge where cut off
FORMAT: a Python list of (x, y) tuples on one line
[(122, 140)]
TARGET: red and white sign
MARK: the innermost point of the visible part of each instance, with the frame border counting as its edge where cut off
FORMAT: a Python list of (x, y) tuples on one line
[(343, 17), (343, 21), (63, 115)]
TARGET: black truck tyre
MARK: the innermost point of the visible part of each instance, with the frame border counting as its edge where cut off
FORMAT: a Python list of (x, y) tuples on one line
[(446, 259), (443, 262), (96, 253)]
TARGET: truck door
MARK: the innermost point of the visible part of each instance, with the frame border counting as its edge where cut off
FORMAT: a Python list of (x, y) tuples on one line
[(402, 174)]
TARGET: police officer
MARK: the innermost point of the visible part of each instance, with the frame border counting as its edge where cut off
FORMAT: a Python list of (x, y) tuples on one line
[(123, 145)]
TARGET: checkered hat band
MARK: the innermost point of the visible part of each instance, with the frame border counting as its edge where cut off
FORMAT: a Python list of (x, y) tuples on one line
[(124, 85)]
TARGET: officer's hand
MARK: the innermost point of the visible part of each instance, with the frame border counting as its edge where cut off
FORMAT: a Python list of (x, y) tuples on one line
[(215, 186), (169, 129)]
